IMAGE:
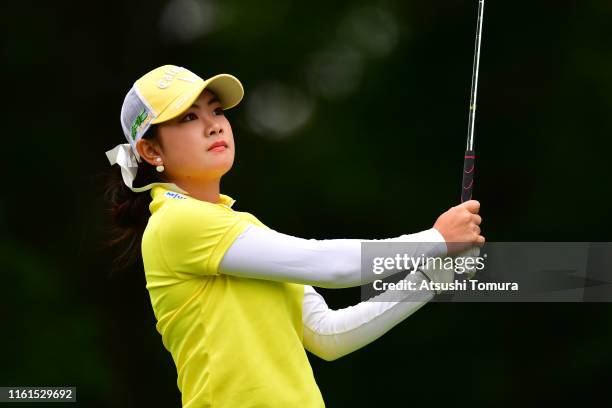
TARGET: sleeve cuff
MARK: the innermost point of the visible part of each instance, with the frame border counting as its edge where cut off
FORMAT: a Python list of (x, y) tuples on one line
[(436, 236), (431, 242), (432, 238)]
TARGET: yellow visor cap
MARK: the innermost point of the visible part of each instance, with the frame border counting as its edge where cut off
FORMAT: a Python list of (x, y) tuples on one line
[(158, 96), (171, 90)]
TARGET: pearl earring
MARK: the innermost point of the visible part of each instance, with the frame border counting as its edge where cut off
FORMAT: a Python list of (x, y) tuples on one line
[(160, 168)]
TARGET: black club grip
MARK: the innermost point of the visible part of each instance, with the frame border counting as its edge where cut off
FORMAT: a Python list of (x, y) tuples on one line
[(468, 176)]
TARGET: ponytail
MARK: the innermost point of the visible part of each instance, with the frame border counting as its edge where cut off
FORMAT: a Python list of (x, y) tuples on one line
[(129, 211)]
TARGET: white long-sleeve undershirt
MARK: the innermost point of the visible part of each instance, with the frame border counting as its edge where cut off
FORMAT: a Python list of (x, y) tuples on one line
[(262, 253), (331, 334), (266, 254)]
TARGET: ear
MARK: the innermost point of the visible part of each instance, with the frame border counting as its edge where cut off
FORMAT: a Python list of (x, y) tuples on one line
[(149, 151)]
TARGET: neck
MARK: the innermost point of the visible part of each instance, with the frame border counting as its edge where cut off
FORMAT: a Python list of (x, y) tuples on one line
[(202, 190)]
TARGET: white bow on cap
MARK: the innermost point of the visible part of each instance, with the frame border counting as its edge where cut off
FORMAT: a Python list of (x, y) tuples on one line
[(124, 156)]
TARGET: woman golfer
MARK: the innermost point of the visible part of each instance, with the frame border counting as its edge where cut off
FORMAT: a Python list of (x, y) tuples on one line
[(233, 299)]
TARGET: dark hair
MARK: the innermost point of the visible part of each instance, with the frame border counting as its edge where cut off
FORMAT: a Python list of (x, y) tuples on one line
[(129, 211)]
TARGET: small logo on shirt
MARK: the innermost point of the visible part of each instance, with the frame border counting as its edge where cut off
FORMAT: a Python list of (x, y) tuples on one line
[(172, 194)]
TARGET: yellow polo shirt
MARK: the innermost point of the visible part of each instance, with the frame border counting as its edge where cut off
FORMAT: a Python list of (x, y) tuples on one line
[(236, 342)]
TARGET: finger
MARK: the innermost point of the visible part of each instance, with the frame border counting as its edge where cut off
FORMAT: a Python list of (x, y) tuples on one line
[(477, 229), (480, 240), (477, 219), (472, 206)]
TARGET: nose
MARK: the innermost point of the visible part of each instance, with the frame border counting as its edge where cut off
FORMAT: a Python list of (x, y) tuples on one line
[(214, 129)]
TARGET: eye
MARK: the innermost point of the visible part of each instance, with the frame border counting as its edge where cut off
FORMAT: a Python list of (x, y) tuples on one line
[(189, 117), (218, 112)]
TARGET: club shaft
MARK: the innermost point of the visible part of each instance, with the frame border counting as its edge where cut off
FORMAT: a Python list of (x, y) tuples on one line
[(475, 70)]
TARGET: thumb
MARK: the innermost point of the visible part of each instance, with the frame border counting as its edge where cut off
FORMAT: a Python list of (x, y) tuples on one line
[(472, 206)]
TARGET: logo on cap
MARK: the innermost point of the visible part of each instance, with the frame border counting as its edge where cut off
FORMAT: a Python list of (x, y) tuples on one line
[(171, 73), (137, 122)]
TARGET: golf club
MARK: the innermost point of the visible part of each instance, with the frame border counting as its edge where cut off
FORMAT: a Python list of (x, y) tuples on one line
[(470, 155)]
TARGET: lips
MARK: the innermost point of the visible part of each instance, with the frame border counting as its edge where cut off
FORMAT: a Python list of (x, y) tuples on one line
[(218, 146)]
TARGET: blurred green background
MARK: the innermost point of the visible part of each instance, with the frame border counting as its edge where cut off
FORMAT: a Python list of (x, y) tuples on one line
[(353, 126)]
